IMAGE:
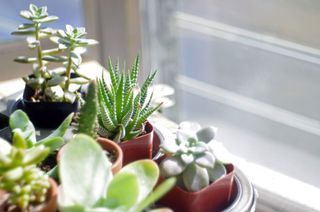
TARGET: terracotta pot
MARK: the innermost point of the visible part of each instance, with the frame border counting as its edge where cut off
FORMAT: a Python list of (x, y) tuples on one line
[(109, 146), (46, 114), (214, 197), (51, 203), (138, 148)]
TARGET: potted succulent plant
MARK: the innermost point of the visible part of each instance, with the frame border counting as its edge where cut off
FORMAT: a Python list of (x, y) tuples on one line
[(123, 112), (51, 94), (204, 176), (87, 124), (21, 126), (87, 183), (23, 186)]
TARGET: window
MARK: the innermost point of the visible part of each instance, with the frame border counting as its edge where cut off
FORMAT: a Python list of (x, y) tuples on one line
[(74, 12), (251, 68)]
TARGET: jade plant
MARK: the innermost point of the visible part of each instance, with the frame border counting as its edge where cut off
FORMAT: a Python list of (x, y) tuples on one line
[(195, 158), (123, 106), (22, 127), (87, 183), (25, 184), (52, 85)]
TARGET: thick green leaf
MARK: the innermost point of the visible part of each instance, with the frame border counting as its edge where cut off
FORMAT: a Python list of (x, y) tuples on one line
[(5, 147), (18, 140), (48, 19), (123, 190), (55, 80), (206, 134), (195, 177), (14, 174), (61, 130), (172, 166), (23, 32), (52, 143), (23, 59), (25, 26), (18, 119), (51, 51), (84, 172), (26, 14), (217, 172), (147, 173), (57, 59), (35, 155), (206, 160), (161, 190), (79, 80)]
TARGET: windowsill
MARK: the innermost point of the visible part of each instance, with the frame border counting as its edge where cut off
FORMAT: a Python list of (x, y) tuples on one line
[(276, 191)]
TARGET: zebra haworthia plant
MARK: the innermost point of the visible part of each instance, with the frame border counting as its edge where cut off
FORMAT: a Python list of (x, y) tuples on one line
[(123, 106), (52, 85), (196, 159)]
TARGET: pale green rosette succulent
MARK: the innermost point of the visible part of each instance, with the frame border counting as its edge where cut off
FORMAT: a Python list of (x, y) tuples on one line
[(195, 158)]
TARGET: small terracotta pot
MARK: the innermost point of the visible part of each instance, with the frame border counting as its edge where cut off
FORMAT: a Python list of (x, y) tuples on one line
[(212, 198), (109, 146), (51, 203), (138, 148)]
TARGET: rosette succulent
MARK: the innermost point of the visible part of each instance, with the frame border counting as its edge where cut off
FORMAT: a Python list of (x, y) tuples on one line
[(195, 158)]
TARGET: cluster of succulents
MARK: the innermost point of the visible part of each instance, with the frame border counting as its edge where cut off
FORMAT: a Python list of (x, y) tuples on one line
[(123, 106), (194, 156), (51, 85), (25, 183)]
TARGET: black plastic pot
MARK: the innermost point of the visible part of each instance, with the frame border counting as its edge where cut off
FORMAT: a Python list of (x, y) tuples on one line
[(4, 127), (46, 114)]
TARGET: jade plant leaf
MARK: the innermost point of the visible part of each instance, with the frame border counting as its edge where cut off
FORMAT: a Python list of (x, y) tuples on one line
[(122, 183), (84, 172), (147, 173), (19, 120)]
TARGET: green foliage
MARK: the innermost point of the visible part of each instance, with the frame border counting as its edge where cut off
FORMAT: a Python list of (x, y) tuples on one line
[(87, 183), (88, 113), (19, 177), (22, 128), (48, 84), (123, 107), (195, 157)]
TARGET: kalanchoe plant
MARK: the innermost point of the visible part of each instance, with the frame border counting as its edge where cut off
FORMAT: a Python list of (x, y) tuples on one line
[(37, 16), (195, 158), (123, 106), (25, 184), (87, 183), (73, 41), (22, 127), (52, 85)]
